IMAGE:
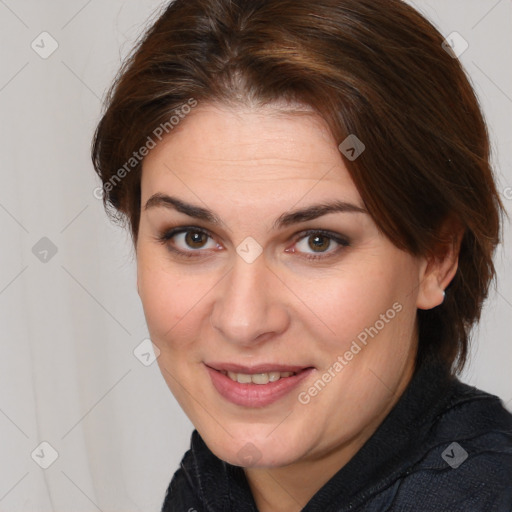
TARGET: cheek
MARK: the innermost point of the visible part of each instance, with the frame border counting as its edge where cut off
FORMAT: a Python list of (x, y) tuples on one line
[(381, 318), (354, 299), (172, 302)]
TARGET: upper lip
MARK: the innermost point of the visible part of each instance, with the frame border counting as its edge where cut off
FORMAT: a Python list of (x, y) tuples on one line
[(257, 368)]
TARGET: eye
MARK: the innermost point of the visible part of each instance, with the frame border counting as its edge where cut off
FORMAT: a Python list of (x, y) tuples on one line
[(187, 240), (316, 244), (193, 240)]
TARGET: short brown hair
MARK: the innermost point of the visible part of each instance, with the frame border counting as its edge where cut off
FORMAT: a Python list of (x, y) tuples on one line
[(373, 68)]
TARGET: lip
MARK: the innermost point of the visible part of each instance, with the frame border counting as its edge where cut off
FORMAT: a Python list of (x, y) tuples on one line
[(255, 395)]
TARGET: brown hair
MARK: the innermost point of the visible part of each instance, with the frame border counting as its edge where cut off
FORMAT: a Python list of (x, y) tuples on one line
[(373, 68)]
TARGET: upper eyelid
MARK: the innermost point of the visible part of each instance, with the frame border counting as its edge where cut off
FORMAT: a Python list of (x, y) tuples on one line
[(170, 233), (186, 229)]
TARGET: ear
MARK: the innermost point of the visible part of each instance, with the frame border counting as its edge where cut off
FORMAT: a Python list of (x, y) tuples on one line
[(439, 268)]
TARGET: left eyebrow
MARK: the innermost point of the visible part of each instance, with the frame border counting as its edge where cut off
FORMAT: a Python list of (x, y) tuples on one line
[(286, 219), (315, 211)]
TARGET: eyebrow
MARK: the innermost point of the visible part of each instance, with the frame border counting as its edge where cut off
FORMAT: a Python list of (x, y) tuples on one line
[(286, 219)]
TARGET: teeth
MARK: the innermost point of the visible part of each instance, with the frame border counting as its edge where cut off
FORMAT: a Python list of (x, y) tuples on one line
[(273, 376), (243, 379), (257, 378)]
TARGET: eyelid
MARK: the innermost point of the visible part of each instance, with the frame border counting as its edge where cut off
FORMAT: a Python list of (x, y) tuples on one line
[(169, 233)]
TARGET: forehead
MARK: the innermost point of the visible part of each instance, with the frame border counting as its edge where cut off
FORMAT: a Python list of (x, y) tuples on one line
[(258, 151)]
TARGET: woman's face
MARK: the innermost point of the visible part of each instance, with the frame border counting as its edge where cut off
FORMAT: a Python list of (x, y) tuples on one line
[(256, 257)]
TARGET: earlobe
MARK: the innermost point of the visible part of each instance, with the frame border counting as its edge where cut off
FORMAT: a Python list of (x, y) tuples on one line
[(437, 272), (431, 292)]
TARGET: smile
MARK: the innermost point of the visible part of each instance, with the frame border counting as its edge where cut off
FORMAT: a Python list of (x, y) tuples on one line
[(257, 386)]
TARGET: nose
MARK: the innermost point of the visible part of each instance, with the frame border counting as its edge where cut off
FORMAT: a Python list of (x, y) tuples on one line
[(249, 307)]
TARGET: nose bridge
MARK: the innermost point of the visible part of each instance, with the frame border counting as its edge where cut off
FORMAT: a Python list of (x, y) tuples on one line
[(247, 306)]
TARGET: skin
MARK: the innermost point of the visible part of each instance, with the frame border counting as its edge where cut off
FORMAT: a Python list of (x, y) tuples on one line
[(249, 165)]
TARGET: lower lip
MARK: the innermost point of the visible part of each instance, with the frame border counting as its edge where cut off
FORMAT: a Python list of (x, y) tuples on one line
[(255, 395)]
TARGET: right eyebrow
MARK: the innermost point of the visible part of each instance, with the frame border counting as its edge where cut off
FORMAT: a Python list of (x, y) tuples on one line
[(191, 210)]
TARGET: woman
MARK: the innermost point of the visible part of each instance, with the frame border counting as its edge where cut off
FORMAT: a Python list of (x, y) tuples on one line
[(309, 193)]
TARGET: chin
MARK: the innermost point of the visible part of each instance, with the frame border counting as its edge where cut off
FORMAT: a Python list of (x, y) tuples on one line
[(259, 450)]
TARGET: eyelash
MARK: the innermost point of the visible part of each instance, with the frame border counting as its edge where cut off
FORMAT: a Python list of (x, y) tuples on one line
[(166, 236)]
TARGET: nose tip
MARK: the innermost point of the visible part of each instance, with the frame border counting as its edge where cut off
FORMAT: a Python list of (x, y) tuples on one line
[(247, 308), (243, 334), (249, 322)]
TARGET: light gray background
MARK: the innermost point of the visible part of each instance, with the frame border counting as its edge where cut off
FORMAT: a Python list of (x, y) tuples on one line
[(68, 375)]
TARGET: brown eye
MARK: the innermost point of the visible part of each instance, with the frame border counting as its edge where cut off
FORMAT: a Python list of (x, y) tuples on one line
[(196, 239), (316, 244), (319, 243), (188, 240)]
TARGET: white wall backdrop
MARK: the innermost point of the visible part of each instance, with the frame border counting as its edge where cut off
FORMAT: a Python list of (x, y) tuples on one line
[(69, 310)]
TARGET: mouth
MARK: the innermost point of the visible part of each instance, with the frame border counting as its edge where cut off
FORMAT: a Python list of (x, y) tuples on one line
[(255, 386)]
